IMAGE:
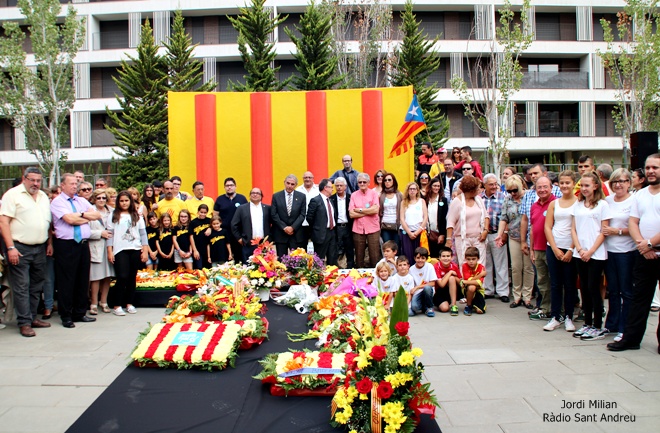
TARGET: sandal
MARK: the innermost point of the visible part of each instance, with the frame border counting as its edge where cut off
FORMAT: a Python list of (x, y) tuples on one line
[(529, 305), (105, 308), (516, 304), (93, 310)]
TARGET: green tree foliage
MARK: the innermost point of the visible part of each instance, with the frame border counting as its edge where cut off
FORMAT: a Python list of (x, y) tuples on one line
[(414, 61), (38, 97), (633, 67), (315, 60), (494, 78), (255, 34), (140, 129), (185, 72)]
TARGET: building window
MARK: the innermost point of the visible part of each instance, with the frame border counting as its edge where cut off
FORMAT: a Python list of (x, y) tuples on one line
[(558, 120), (229, 71), (290, 23), (6, 135), (228, 34), (114, 34), (101, 137), (547, 27), (101, 83)]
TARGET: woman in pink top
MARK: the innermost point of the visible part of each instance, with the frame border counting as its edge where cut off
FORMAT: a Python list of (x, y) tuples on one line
[(467, 221)]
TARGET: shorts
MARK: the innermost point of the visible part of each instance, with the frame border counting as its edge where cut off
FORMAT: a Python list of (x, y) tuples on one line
[(151, 262), (478, 300), (178, 259), (441, 295)]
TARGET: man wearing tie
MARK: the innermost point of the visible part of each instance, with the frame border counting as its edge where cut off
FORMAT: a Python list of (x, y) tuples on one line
[(322, 220), (287, 214), (71, 217)]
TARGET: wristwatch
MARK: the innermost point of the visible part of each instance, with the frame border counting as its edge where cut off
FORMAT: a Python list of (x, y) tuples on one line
[(82, 214), (649, 244), (620, 232), (11, 248)]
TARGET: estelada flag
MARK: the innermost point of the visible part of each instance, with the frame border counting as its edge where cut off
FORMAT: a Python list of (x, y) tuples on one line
[(412, 125)]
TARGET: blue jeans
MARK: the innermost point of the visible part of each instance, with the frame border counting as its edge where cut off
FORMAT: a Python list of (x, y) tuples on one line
[(390, 235), (423, 301), (619, 274), (562, 285), (49, 284)]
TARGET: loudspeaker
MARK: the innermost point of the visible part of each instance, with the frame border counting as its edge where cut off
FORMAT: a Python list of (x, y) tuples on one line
[(642, 144)]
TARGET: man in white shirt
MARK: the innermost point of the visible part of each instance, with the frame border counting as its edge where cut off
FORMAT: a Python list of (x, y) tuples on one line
[(323, 222), (340, 202), (251, 222), (644, 227), (310, 190)]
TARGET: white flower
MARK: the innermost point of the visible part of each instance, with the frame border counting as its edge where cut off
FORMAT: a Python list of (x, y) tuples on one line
[(254, 282), (278, 283)]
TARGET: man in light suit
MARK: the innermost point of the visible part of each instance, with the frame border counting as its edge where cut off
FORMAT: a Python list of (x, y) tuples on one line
[(287, 214), (323, 223), (251, 221), (344, 229)]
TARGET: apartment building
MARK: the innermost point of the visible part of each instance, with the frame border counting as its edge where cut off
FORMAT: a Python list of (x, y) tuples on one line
[(564, 106)]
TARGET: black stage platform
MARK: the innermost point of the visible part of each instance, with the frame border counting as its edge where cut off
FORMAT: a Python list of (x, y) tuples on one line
[(145, 400)]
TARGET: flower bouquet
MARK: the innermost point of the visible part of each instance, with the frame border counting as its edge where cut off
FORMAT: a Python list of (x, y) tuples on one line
[(253, 331), (207, 346), (383, 390), (352, 284), (304, 373), (266, 271), (213, 304), (303, 268)]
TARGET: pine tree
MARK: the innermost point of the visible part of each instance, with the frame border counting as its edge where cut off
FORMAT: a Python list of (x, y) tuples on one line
[(315, 59), (416, 61), (185, 72), (140, 129), (255, 27)]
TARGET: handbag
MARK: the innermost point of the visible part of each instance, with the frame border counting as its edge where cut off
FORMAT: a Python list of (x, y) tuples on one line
[(388, 226), (433, 236)]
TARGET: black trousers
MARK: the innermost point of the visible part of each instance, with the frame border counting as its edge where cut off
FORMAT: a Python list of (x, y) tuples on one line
[(328, 250), (591, 275), (646, 274), (127, 264), (71, 277), (345, 244)]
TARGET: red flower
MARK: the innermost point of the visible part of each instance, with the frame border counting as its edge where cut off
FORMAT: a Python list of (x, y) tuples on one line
[(384, 390), (378, 353), (364, 386), (402, 328)]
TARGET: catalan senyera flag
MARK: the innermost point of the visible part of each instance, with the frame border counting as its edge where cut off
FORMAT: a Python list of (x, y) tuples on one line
[(260, 138), (412, 125)]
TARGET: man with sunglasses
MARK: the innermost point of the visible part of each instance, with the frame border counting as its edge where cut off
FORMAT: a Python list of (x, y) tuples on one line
[(466, 158), (85, 190)]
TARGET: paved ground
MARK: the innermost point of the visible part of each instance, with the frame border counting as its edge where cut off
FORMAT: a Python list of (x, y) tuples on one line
[(493, 373)]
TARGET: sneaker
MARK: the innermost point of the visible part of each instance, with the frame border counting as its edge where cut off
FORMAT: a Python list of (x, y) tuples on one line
[(430, 312), (552, 325), (453, 310), (463, 301), (131, 310), (568, 323), (118, 311), (618, 337), (594, 334), (562, 318), (539, 315), (467, 310), (582, 330), (534, 311), (580, 317)]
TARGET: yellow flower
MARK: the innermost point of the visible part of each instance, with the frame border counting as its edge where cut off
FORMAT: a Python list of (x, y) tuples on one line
[(364, 397), (406, 358), (352, 431), (363, 360), (341, 417), (417, 352)]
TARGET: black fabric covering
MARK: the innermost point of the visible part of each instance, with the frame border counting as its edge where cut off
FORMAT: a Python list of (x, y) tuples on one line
[(145, 400)]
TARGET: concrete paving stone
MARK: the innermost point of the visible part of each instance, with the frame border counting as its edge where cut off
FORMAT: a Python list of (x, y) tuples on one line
[(483, 355), (49, 419), (641, 424), (541, 427), (576, 403), (645, 380), (589, 383), (649, 362), (488, 388), (470, 429), (551, 351), (488, 412), (79, 396), (35, 395), (637, 403), (24, 377), (602, 364), (82, 377), (435, 355), (26, 362), (530, 369)]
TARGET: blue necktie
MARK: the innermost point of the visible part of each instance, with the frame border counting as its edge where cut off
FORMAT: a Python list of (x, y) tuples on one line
[(77, 234)]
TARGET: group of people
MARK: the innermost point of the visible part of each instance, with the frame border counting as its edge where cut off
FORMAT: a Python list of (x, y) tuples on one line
[(539, 233)]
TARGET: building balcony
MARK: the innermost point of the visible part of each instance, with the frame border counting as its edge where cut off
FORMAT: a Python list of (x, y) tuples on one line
[(555, 80)]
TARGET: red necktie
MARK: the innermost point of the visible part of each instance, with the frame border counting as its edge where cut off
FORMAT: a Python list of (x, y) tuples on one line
[(330, 218)]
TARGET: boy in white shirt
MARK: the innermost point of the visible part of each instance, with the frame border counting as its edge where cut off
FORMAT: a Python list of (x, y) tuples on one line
[(403, 279), (424, 275), (390, 249)]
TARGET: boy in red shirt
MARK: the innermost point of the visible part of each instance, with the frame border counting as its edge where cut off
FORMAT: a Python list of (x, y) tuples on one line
[(449, 277), (473, 282)]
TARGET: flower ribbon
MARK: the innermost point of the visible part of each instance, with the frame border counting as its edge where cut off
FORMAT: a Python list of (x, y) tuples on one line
[(376, 423)]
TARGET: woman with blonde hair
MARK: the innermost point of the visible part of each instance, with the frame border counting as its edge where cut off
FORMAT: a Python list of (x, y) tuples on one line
[(467, 221), (522, 270), (414, 220), (101, 270)]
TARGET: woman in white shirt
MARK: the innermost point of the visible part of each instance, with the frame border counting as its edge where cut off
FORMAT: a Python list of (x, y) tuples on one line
[(621, 251), (437, 207), (559, 254), (591, 217), (414, 220), (390, 204)]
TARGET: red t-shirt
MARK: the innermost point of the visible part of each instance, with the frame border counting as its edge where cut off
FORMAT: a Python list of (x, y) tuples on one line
[(537, 219), (468, 272), (441, 271)]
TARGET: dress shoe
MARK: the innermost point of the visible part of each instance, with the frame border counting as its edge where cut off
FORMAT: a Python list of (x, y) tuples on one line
[(504, 299), (620, 346), (27, 331), (85, 319), (47, 315), (489, 296), (68, 324), (36, 323)]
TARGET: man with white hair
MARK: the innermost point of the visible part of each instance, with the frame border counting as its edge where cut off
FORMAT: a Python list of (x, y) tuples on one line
[(340, 201), (363, 208), (604, 172), (497, 268)]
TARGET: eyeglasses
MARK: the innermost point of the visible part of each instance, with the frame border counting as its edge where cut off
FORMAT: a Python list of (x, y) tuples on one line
[(346, 160), (379, 175), (512, 191), (255, 193), (466, 168), (85, 189), (362, 182), (620, 181), (389, 180), (412, 188), (102, 198)]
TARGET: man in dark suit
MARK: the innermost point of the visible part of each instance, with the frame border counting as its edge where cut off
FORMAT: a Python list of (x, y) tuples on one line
[(449, 178), (344, 229), (251, 221), (287, 214), (323, 223)]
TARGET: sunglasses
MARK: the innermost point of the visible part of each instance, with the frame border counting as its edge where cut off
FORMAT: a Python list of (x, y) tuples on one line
[(512, 191), (424, 177), (85, 189), (102, 198), (361, 182), (466, 168), (389, 180), (380, 175)]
